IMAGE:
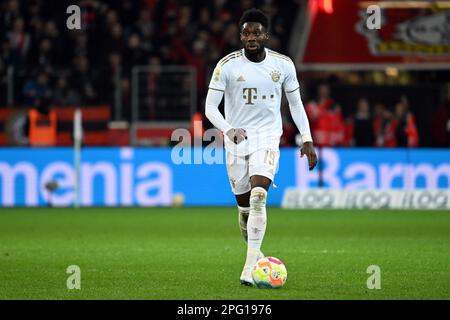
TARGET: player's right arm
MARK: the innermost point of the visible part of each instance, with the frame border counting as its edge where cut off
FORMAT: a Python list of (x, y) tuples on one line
[(214, 97)]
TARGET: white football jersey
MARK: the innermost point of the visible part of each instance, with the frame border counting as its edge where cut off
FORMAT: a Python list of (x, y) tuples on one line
[(253, 94)]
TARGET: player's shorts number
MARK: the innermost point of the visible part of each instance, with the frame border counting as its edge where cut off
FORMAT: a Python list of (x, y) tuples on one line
[(269, 158)]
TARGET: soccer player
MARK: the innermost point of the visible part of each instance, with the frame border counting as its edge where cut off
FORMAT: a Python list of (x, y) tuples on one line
[(252, 80)]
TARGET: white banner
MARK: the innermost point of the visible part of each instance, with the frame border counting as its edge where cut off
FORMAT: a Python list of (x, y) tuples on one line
[(365, 199)]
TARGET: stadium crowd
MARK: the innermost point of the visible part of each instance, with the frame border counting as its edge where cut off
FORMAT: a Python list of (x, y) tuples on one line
[(79, 67), (69, 67), (369, 126)]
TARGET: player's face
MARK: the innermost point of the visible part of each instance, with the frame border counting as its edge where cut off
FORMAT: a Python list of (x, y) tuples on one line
[(254, 37)]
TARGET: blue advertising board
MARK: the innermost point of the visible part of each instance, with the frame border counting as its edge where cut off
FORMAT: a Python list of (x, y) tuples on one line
[(154, 176)]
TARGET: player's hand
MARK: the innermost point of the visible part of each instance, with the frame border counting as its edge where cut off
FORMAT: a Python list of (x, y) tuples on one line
[(308, 150), (237, 135)]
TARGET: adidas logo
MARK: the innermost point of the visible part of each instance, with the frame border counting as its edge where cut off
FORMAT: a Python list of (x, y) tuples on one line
[(241, 78)]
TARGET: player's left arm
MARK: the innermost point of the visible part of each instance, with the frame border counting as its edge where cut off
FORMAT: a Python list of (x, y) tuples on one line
[(292, 91)]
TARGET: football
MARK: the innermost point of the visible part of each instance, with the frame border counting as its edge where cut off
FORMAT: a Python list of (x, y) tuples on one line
[(269, 272)]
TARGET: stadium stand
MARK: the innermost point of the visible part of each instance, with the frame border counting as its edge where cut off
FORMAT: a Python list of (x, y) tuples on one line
[(93, 66), (90, 66)]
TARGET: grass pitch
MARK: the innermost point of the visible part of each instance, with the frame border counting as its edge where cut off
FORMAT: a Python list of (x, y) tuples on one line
[(198, 253)]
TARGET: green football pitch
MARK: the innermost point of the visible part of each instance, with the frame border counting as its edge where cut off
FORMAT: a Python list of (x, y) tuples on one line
[(198, 253)]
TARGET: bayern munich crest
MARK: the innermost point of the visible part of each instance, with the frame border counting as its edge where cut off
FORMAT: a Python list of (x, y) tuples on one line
[(275, 75)]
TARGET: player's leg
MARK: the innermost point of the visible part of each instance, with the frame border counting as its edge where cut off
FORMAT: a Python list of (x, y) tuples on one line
[(243, 202), (262, 166), (237, 168), (256, 225)]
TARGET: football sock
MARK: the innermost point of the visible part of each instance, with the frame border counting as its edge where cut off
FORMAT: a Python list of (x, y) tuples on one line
[(256, 224), (243, 217)]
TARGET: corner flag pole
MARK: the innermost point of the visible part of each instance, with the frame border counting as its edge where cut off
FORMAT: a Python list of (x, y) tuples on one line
[(77, 139)]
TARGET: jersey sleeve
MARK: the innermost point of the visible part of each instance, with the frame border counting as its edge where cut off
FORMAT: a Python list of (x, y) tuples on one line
[(290, 83), (219, 78)]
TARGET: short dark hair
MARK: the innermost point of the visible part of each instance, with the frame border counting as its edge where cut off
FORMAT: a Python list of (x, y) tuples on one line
[(254, 15)]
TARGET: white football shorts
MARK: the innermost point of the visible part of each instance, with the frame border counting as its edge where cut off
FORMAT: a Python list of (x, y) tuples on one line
[(263, 162)]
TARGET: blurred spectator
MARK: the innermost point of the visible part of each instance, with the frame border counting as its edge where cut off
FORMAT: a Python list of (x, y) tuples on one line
[(45, 58), (114, 40), (384, 125), (110, 77), (146, 28), (64, 95), (362, 125), (230, 38), (378, 120), (10, 14), (20, 41), (406, 130), (36, 89), (327, 123), (134, 54), (83, 80), (440, 122), (6, 55)]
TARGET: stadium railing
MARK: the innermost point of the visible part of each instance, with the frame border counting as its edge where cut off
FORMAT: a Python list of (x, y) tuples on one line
[(163, 98)]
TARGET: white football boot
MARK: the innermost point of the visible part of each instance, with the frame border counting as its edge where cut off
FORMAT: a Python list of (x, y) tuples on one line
[(246, 278)]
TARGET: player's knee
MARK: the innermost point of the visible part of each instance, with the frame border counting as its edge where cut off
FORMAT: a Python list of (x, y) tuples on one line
[(243, 216), (258, 198)]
